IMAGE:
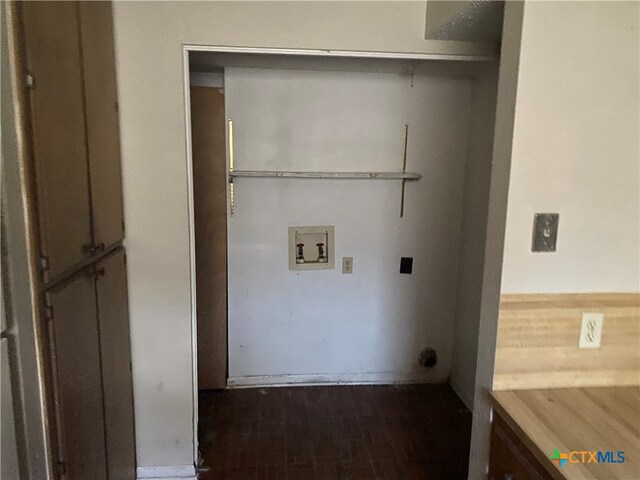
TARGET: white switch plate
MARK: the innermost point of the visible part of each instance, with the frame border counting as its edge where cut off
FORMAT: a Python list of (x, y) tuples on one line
[(591, 330), (347, 264)]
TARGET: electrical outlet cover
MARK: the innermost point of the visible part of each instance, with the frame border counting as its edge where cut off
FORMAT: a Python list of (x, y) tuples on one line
[(347, 264), (591, 330)]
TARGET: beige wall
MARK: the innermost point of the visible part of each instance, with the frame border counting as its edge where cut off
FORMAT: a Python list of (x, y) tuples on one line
[(477, 180), (494, 243), (575, 128), (574, 152), (149, 39), (575, 149)]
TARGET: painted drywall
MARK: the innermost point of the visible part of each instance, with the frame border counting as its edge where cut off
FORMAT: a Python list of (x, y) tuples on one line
[(566, 141), (149, 39), (287, 326), (206, 79), (494, 243), (575, 149), (479, 20), (472, 247)]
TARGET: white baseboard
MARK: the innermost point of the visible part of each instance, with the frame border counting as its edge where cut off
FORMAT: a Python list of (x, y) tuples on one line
[(384, 378), (167, 472)]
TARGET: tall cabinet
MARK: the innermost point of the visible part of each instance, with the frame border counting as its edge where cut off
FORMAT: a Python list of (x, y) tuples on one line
[(74, 139), (74, 117)]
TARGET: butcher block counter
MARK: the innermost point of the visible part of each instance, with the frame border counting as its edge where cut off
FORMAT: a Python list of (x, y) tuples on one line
[(594, 432)]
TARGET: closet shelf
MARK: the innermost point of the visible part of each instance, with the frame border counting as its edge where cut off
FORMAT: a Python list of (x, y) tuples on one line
[(334, 175)]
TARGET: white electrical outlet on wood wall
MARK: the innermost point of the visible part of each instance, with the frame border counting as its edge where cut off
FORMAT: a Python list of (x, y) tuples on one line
[(591, 330)]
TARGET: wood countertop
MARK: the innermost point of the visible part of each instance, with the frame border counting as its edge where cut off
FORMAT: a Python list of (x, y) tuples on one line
[(605, 419)]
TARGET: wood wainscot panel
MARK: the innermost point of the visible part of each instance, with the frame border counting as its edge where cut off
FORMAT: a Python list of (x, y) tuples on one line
[(537, 345)]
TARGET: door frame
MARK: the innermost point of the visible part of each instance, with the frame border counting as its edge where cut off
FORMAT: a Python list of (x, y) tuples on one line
[(21, 273), (492, 323)]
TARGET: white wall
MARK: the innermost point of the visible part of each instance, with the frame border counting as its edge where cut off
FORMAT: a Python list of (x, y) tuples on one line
[(575, 149), (494, 239), (567, 128), (149, 38), (323, 325), (472, 248)]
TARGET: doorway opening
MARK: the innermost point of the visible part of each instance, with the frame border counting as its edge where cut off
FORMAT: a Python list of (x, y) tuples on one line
[(392, 155)]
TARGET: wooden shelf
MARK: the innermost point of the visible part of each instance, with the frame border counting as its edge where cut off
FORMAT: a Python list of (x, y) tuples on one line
[(332, 175)]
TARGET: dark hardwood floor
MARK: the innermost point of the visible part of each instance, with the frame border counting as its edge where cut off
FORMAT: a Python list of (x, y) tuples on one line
[(334, 432)]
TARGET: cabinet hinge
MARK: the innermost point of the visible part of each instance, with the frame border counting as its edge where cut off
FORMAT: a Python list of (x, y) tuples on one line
[(48, 308), (48, 312), (44, 263), (31, 83)]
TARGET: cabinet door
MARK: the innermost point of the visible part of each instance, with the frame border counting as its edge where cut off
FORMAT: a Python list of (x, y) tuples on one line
[(58, 131), (115, 349), (75, 343), (103, 135), (509, 458)]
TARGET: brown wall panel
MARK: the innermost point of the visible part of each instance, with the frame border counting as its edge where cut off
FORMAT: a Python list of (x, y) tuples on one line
[(210, 212)]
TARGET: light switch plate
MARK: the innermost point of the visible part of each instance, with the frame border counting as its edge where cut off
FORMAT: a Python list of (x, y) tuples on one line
[(347, 264), (591, 330), (545, 232)]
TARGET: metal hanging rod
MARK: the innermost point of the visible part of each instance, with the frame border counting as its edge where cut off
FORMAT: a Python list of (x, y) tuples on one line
[(332, 175)]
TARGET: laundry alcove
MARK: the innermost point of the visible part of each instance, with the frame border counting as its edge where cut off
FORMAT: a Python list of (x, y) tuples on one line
[(346, 141)]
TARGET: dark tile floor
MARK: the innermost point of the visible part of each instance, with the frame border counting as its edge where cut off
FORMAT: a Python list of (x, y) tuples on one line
[(336, 432)]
